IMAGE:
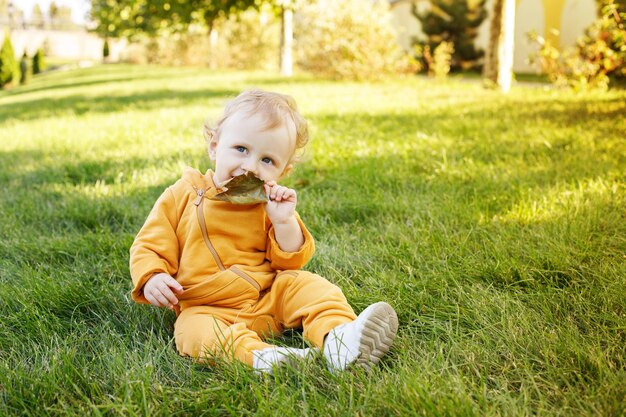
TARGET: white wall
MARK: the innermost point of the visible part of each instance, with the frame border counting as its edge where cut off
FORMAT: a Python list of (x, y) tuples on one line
[(78, 45)]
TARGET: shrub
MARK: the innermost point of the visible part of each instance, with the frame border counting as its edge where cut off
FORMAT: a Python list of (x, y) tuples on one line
[(442, 57), (351, 39), (600, 52), (9, 69), (38, 62), (24, 69), (105, 50)]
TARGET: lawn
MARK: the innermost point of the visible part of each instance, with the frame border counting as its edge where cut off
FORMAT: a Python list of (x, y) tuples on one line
[(495, 225)]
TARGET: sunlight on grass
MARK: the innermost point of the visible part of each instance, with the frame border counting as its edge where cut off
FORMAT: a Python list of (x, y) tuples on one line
[(563, 202)]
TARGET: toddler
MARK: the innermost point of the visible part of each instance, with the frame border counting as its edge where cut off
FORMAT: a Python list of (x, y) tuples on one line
[(233, 273)]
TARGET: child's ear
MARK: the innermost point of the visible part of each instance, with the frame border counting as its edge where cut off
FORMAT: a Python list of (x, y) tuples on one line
[(213, 148)]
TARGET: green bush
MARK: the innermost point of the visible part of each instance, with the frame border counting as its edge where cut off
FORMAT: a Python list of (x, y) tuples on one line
[(24, 69), (351, 39), (9, 69), (600, 52), (105, 49), (38, 62)]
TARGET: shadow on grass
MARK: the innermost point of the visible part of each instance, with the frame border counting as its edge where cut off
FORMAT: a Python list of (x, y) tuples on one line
[(561, 113), (65, 169), (91, 82), (52, 197), (78, 104)]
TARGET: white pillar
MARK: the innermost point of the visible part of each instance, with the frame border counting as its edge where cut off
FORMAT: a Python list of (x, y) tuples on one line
[(213, 44), (506, 46), (286, 58)]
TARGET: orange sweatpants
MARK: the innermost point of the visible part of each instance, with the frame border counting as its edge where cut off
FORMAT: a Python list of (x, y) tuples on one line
[(296, 299)]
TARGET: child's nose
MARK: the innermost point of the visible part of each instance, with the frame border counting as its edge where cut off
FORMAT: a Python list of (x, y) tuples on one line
[(249, 165)]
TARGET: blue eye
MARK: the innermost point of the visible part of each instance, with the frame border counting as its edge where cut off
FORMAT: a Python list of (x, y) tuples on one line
[(267, 160), (240, 148)]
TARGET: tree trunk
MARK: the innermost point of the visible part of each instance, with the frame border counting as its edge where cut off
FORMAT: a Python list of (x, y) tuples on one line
[(499, 57), (286, 42)]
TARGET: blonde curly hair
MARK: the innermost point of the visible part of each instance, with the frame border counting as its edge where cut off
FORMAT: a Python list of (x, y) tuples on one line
[(276, 108)]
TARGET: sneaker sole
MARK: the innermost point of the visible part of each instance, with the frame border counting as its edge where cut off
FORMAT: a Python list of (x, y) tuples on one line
[(379, 332)]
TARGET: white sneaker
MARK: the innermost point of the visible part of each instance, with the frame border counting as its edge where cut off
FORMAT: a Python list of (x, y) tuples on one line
[(265, 360), (363, 341)]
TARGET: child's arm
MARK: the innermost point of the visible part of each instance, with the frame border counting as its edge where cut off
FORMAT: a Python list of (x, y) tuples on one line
[(155, 249), (281, 210)]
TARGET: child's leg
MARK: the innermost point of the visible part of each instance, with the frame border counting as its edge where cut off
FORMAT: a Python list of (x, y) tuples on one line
[(302, 299), (200, 333)]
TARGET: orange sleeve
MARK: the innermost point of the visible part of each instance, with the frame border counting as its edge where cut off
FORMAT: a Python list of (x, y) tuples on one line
[(281, 260), (155, 248)]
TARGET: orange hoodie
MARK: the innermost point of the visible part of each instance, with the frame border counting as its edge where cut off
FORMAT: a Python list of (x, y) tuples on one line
[(246, 258)]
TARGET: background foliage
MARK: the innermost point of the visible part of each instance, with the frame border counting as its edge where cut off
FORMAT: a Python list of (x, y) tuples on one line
[(451, 21), (130, 18), (598, 54), (351, 39), (247, 40), (9, 66), (39, 63)]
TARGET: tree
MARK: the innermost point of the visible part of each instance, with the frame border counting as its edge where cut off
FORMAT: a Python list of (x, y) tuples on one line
[(127, 18), (4, 9), (53, 14), (37, 18), (9, 69), (499, 59), (122, 18), (455, 21), (64, 18)]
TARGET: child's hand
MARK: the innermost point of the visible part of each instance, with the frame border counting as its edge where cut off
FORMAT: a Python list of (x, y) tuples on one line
[(158, 290), (282, 204)]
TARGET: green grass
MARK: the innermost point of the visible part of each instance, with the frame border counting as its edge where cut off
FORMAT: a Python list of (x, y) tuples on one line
[(495, 225)]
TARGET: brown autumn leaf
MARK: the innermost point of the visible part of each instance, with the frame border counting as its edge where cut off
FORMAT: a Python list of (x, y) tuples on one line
[(243, 189)]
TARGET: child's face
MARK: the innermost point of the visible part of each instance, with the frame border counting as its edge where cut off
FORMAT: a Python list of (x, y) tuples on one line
[(243, 146)]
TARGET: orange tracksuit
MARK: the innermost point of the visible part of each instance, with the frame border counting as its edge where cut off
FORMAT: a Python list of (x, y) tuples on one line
[(238, 284)]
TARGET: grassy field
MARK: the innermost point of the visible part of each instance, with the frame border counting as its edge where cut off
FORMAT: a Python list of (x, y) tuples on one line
[(495, 225)]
